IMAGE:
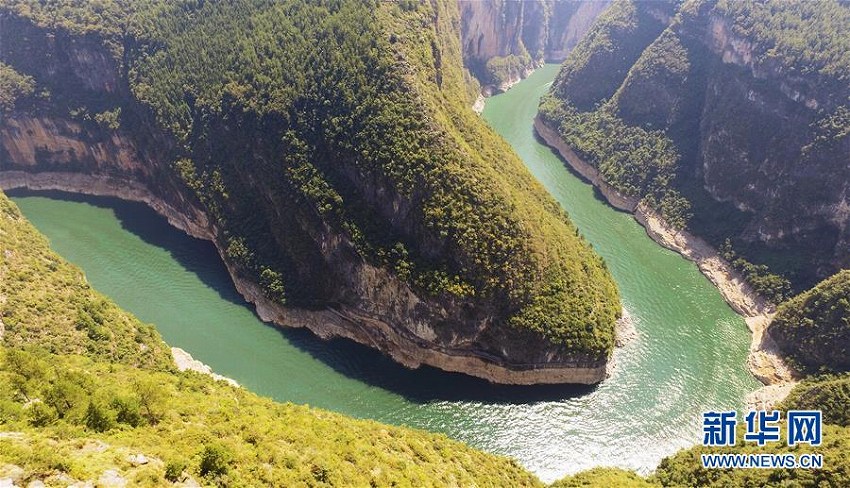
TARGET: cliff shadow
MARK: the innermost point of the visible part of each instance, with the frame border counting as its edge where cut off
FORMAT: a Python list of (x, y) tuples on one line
[(424, 384), (195, 255), (346, 357)]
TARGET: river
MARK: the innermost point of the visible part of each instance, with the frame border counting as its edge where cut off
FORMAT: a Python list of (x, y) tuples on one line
[(689, 355)]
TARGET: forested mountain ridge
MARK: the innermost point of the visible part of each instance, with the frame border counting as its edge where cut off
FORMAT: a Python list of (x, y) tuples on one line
[(813, 328), (331, 149), (97, 370), (740, 113), (729, 119)]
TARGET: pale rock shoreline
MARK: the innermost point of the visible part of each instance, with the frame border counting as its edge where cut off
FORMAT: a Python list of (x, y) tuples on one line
[(185, 362), (764, 362), (490, 90)]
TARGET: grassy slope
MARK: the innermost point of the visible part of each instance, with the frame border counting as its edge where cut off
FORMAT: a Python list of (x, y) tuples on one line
[(52, 352), (604, 477)]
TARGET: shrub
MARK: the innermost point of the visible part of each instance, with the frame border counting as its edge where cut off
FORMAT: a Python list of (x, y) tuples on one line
[(98, 417), (215, 460), (152, 399), (174, 470), (128, 411), (41, 414)]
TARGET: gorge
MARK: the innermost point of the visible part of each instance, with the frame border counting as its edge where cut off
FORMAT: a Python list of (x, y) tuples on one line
[(681, 344), (298, 195)]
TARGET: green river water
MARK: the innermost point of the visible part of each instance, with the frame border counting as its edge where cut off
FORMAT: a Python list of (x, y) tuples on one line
[(689, 356)]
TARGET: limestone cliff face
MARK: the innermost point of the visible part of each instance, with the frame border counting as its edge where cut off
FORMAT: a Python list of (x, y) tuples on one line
[(764, 136), (760, 149), (54, 145), (503, 41)]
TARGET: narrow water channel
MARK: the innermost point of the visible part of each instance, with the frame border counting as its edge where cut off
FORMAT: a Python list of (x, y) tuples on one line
[(689, 356)]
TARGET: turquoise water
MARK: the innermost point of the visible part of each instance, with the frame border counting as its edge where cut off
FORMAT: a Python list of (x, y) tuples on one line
[(689, 355)]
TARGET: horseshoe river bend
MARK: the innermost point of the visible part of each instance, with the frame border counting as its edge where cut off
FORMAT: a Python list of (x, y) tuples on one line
[(689, 354)]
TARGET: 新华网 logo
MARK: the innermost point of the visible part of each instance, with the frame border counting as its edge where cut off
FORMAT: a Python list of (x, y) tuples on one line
[(802, 427)]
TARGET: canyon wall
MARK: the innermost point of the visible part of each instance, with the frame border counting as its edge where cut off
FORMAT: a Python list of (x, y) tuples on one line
[(758, 114), (503, 40)]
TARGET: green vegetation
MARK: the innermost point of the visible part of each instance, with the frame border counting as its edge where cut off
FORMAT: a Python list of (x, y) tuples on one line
[(109, 119), (637, 162), (829, 393), (13, 86), (813, 328), (599, 63), (648, 99), (683, 468), (48, 303), (79, 404), (769, 285), (354, 114), (501, 69), (807, 37), (211, 430), (662, 75), (604, 477)]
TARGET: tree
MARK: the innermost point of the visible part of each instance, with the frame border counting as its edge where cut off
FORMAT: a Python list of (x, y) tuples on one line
[(152, 398), (98, 417), (215, 460), (28, 373)]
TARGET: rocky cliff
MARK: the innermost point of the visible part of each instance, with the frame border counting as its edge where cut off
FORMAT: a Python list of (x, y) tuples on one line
[(755, 99), (504, 40), (409, 242)]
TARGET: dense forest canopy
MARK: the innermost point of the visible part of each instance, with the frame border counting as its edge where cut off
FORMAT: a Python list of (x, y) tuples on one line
[(813, 328), (806, 37)]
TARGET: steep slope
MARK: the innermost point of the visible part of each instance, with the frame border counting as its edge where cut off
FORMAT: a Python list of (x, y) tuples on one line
[(503, 41), (753, 97), (345, 177), (813, 328), (88, 393), (830, 394), (600, 62)]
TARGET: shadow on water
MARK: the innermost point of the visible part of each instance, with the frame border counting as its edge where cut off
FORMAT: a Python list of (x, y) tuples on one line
[(198, 256), (425, 384), (346, 357)]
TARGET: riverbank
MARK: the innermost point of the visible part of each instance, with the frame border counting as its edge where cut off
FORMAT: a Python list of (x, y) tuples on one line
[(763, 361), (185, 362), (400, 344), (490, 90)]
